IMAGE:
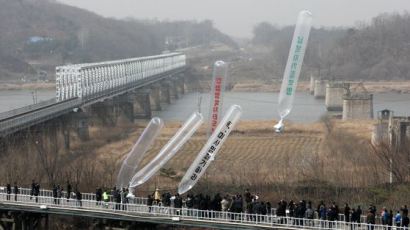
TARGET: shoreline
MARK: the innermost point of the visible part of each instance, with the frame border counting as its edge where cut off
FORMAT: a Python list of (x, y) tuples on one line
[(401, 87), (28, 86)]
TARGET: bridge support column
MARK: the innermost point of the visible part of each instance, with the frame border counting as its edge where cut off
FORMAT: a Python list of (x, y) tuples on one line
[(142, 105), (106, 112), (66, 135), (126, 106), (174, 90), (181, 85), (155, 98), (80, 121), (166, 93)]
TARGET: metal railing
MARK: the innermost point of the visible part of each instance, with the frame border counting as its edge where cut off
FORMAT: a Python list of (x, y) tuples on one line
[(139, 207), (37, 116), (26, 109), (83, 80)]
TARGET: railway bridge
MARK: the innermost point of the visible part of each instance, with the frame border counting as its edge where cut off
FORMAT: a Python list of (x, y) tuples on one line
[(131, 88)]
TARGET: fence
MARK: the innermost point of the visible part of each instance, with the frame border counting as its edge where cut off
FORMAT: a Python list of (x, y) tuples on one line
[(85, 80), (139, 207)]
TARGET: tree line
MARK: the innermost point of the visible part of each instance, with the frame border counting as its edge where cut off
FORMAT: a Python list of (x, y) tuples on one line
[(52, 33), (378, 50)]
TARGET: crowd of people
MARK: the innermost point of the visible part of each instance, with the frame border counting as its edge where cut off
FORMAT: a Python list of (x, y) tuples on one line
[(239, 203), (251, 204)]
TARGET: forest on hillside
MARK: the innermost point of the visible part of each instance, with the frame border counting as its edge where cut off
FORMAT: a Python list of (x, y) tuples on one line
[(378, 50), (40, 34)]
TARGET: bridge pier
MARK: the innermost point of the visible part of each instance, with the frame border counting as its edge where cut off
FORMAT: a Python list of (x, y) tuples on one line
[(174, 90), (181, 85), (106, 112), (166, 93), (65, 129), (142, 104), (80, 122), (126, 106), (155, 97)]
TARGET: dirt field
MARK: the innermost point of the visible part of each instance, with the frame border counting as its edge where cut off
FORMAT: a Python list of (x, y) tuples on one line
[(254, 156)]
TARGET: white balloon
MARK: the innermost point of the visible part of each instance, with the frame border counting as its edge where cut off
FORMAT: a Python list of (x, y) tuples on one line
[(210, 149), (138, 151), (293, 66), (169, 150), (219, 79)]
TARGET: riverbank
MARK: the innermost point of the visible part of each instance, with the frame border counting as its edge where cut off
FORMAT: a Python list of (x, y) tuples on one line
[(371, 86), (27, 86)]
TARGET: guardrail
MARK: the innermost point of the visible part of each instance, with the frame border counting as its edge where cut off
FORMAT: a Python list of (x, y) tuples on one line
[(84, 80), (26, 109), (37, 116), (138, 208)]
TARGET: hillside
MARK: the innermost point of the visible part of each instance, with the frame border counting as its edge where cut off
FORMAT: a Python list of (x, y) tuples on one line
[(374, 51), (40, 34)]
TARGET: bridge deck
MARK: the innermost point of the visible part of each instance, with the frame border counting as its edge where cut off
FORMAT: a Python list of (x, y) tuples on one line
[(26, 109)]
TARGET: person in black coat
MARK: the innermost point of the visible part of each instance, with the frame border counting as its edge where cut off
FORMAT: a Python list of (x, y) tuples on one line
[(16, 191), (347, 213), (405, 221), (8, 190), (217, 202), (98, 195), (79, 197), (190, 201), (69, 190), (117, 198), (33, 187), (178, 203), (37, 191), (55, 194), (291, 207), (150, 201)]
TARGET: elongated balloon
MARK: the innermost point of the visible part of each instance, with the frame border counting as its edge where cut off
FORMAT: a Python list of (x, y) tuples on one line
[(210, 149), (169, 150), (293, 66), (219, 79), (138, 151)]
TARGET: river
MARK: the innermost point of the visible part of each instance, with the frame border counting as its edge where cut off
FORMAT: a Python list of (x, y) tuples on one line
[(256, 106)]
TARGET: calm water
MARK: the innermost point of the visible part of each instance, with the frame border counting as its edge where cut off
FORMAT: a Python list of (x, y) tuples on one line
[(256, 106), (13, 99)]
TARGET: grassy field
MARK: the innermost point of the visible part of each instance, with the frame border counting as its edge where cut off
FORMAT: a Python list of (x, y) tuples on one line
[(256, 157), (308, 161)]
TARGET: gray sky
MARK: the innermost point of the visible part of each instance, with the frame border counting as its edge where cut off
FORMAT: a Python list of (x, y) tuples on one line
[(237, 17)]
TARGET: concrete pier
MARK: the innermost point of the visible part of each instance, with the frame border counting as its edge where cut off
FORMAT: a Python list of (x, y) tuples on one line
[(165, 92), (174, 90), (80, 123), (320, 89), (334, 95), (155, 97), (312, 85), (358, 104), (142, 105)]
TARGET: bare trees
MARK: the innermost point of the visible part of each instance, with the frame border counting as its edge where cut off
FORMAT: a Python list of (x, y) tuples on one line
[(394, 161)]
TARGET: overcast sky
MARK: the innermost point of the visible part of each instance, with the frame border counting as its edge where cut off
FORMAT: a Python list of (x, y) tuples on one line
[(237, 17)]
